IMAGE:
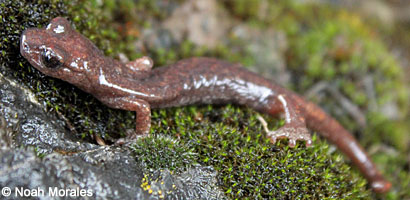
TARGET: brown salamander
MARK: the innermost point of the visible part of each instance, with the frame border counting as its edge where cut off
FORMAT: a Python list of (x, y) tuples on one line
[(61, 52)]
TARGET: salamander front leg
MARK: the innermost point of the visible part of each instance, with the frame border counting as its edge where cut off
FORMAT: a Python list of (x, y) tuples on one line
[(143, 115), (143, 119), (295, 126)]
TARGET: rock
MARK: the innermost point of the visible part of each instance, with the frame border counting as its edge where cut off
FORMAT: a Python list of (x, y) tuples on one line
[(201, 22), (267, 47), (38, 153), (33, 126)]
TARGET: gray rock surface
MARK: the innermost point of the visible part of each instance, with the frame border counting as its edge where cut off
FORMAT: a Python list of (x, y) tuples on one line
[(38, 153)]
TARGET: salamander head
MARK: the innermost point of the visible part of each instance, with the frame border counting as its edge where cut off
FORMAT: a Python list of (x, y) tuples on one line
[(59, 51)]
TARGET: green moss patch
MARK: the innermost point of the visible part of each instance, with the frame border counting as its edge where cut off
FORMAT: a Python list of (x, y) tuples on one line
[(249, 166), (324, 44), (159, 152)]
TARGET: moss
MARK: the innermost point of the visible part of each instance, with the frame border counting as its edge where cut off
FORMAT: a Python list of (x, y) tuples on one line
[(228, 138), (15, 17), (244, 9), (106, 24), (94, 20), (158, 152), (332, 45), (336, 46), (344, 51), (187, 49), (249, 166)]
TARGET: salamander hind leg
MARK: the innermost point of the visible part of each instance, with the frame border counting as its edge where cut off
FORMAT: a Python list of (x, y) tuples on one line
[(295, 126), (292, 131)]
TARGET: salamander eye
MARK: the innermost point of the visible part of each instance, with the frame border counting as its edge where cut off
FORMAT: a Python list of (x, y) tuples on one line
[(50, 59)]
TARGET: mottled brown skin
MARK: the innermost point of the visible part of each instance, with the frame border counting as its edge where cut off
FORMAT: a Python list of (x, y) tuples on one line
[(59, 51)]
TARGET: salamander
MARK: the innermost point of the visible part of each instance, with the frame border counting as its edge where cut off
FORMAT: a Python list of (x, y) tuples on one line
[(58, 50)]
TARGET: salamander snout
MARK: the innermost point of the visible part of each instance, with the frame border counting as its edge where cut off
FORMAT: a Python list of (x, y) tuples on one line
[(28, 42), (41, 55)]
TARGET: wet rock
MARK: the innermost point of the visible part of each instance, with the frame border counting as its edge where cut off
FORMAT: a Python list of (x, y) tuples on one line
[(195, 183), (6, 134), (114, 177), (37, 152), (104, 173), (34, 126)]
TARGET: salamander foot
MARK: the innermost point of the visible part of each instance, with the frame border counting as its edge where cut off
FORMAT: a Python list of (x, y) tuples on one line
[(289, 131), (130, 138)]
